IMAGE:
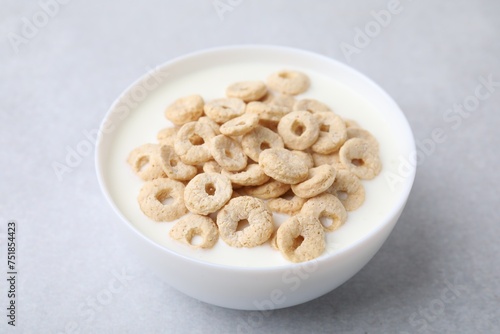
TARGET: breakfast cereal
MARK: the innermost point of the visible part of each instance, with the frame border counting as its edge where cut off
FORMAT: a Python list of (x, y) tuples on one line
[(245, 209), (173, 166), (326, 206), (288, 82), (247, 90), (154, 193), (283, 155), (224, 109), (195, 225), (207, 193), (186, 109), (145, 162), (301, 238), (299, 130), (319, 179)]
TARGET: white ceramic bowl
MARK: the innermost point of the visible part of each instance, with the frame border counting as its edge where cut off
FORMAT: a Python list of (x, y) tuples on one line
[(259, 288)]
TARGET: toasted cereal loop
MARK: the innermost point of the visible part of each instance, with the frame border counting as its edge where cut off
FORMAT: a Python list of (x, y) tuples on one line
[(260, 139), (299, 130), (211, 167), (245, 209), (306, 157), (268, 190), (173, 166), (186, 109), (326, 206), (222, 110), (154, 193), (328, 159), (267, 112), (278, 99), (207, 193), (247, 90), (228, 153), (348, 189), (145, 162), (273, 126), (252, 175), (272, 241), (360, 158), (363, 134), (310, 105), (349, 123), (192, 144), (240, 125), (301, 238), (288, 82), (207, 121), (332, 133), (283, 166), (195, 225), (287, 203), (319, 180), (167, 136)]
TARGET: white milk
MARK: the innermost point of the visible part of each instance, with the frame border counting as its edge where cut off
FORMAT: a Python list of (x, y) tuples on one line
[(143, 123)]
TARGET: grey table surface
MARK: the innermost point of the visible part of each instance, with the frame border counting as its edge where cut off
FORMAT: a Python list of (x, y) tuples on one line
[(62, 63)]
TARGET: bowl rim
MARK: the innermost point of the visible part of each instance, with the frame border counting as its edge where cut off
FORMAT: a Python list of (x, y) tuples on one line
[(399, 205)]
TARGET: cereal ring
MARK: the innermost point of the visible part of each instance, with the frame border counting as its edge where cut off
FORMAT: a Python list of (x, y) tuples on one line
[(240, 125), (273, 126), (186, 109), (260, 139), (192, 142), (267, 112), (270, 189), (348, 189), (245, 209), (195, 225), (301, 238), (349, 123), (283, 166), (252, 175), (299, 130), (326, 206), (173, 166), (287, 203), (360, 158), (278, 99), (247, 90), (310, 105), (363, 134), (288, 82), (211, 167), (328, 159), (222, 110), (145, 162), (272, 241), (306, 157), (332, 133), (228, 153), (167, 136), (211, 123), (319, 179), (153, 200), (207, 193)]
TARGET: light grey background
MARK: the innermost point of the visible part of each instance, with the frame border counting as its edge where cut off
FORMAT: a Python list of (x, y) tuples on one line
[(439, 270)]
